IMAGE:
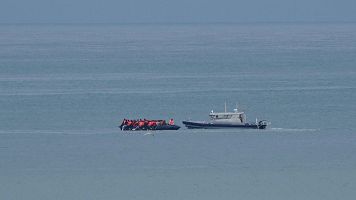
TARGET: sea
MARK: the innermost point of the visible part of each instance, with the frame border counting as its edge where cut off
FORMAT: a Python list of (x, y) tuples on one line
[(65, 89)]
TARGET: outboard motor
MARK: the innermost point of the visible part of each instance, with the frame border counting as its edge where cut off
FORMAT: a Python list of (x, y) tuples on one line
[(262, 124)]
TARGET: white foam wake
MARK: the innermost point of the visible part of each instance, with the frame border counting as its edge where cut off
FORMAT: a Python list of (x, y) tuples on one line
[(294, 129)]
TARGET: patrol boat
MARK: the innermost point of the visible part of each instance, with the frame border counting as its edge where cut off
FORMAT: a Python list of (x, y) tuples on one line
[(225, 119)]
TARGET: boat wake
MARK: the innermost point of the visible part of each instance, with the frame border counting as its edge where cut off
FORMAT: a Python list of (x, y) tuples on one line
[(149, 133), (294, 129)]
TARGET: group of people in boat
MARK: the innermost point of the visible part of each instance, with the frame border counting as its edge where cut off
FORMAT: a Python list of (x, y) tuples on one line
[(143, 124)]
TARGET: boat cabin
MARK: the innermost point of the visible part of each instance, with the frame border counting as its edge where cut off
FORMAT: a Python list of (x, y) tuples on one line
[(228, 117)]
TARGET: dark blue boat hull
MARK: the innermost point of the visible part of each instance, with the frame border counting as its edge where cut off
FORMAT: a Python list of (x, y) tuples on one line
[(207, 125), (167, 127)]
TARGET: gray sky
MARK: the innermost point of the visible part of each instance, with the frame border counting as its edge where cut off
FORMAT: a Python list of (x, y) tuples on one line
[(181, 11)]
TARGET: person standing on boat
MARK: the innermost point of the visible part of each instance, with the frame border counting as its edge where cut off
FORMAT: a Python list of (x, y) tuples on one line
[(171, 121)]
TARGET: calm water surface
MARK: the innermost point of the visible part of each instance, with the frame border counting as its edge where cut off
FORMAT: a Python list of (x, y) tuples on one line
[(65, 88)]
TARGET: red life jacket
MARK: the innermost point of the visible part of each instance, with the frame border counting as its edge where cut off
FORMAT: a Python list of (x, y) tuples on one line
[(141, 123)]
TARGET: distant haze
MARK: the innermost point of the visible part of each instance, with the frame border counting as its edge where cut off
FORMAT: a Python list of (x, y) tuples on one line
[(175, 11)]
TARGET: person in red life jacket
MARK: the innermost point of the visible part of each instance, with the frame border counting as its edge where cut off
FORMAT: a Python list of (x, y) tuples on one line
[(171, 122), (141, 124), (129, 122), (149, 124), (154, 124)]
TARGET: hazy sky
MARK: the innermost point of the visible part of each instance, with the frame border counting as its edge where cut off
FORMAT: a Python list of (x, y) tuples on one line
[(185, 11)]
